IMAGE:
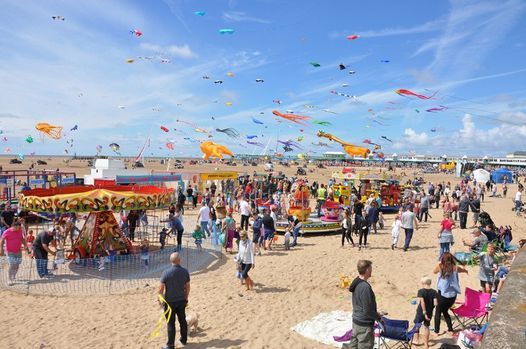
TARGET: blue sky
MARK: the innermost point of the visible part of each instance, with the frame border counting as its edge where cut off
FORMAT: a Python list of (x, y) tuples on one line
[(74, 72)]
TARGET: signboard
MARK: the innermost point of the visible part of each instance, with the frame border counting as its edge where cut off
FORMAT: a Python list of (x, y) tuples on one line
[(9, 182), (68, 180), (218, 176), (148, 179), (38, 181)]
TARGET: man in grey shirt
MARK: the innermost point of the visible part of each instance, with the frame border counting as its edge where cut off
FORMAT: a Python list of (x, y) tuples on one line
[(408, 223), (424, 208)]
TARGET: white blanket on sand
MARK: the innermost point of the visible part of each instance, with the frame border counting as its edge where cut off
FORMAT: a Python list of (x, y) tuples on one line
[(324, 326)]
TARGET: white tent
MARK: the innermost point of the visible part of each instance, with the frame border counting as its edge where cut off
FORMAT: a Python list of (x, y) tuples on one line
[(481, 175)]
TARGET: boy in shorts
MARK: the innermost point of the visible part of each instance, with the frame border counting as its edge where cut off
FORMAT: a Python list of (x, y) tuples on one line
[(427, 300)]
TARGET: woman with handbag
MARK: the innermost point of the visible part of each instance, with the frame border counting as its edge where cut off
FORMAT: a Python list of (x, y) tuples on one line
[(229, 229), (245, 259)]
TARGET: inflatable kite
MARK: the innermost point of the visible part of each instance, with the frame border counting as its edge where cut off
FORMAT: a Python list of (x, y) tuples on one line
[(213, 150), (199, 13), (98, 148), (136, 32), (407, 93), (49, 130), (165, 129), (29, 139), (315, 64), (292, 117), (322, 123), (229, 104), (384, 61), (436, 109), (130, 60), (74, 128), (230, 132), (218, 82), (256, 121), (170, 145), (256, 143), (353, 37), (230, 74), (115, 147), (226, 31), (342, 67), (252, 136), (350, 149), (260, 80), (277, 101), (290, 143)]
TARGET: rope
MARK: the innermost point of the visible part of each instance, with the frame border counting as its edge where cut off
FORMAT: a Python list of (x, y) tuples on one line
[(166, 315)]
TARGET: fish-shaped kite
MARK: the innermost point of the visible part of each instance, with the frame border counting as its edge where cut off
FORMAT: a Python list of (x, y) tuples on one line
[(256, 121), (353, 37), (436, 109), (387, 139), (252, 136), (165, 129), (200, 13), (291, 117), (256, 143), (404, 92), (226, 31), (136, 32), (323, 123), (315, 64)]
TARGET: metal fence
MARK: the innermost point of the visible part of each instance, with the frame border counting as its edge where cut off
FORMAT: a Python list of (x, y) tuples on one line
[(110, 275)]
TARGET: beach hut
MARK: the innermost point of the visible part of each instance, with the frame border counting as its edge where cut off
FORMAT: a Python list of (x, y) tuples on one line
[(498, 175)]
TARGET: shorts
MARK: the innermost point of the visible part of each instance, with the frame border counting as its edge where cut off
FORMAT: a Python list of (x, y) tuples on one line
[(484, 283), (420, 319), (14, 258), (269, 234), (255, 238)]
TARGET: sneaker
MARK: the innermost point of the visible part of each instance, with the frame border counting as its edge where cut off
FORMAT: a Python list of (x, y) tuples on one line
[(392, 247), (10, 283)]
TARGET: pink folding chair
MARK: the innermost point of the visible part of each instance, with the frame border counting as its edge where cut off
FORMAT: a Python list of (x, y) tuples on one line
[(474, 309)]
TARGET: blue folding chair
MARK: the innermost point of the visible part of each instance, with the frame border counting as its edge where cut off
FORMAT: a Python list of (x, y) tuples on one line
[(396, 334)]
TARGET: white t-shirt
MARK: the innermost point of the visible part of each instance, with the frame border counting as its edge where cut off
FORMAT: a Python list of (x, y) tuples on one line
[(518, 196), (204, 213), (396, 227), (287, 236), (244, 208)]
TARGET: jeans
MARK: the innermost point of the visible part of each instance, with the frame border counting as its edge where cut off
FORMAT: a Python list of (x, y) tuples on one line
[(244, 222), (295, 234), (408, 237), (179, 239), (178, 308), (463, 216), (204, 228), (318, 207), (362, 337), (423, 211), (41, 260), (347, 234), (444, 304), (363, 235), (444, 247), (518, 205)]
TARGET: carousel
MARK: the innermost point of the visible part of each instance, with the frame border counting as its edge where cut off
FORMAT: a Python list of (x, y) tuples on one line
[(101, 233), (299, 207)]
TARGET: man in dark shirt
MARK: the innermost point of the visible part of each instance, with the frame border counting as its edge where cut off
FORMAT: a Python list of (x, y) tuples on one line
[(8, 215), (268, 229), (364, 312), (358, 208), (175, 289), (474, 205), (41, 250), (463, 208)]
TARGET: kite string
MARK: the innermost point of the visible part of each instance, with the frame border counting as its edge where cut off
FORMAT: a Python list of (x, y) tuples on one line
[(166, 315)]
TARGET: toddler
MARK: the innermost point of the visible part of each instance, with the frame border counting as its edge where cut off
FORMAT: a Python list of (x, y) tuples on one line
[(198, 235), (162, 237), (145, 251), (381, 222), (395, 231), (30, 239), (287, 240)]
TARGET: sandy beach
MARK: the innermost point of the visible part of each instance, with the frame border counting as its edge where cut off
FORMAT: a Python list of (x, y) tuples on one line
[(291, 287)]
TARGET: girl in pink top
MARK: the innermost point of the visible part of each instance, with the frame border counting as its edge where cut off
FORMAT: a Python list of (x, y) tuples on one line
[(14, 239)]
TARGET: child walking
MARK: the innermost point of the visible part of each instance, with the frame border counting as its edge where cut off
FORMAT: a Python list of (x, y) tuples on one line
[(395, 231), (287, 239), (163, 234), (145, 251), (198, 236), (427, 301)]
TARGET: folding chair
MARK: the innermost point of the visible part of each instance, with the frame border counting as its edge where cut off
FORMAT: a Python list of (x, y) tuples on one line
[(397, 333), (473, 310)]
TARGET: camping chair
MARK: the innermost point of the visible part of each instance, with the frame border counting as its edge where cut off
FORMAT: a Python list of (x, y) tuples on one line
[(397, 332), (473, 310)]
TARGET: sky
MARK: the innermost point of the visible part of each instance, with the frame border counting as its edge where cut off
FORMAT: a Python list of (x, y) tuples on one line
[(468, 56)]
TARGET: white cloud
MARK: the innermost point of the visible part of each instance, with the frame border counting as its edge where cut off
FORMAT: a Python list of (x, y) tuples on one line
[(183, 51), (415, 138), (422, 28), (236, 16)]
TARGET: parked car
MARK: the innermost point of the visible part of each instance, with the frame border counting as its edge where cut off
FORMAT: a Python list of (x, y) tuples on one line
[(15, 161), (41, 162), (301, 171)]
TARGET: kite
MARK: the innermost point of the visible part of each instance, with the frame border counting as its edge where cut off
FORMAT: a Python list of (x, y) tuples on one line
[(74, 128), (352, 72), (214, 150), (136, 32), (58, 18), (387, 139), (286, 148), (403, 92), (384, 61), (218, 82), (21, 156), (49, 130), (342, 67), (300, 138), (256, 143), (433, 130), (115, 147), (345, 85), (165, 129), (98, 148), (342, 94), (230, 74), (277, 101), (170, 145), (260, 80), (329, 111), (230, 132), (252, 136), (130, 60), (315, 65), (7, 150), (353, 37), (256, 121), (350, 149), (291, 117), (368, 141), (290, 143), (436, 109), (226, 31), (121, 106), (29, 139), (320, 144), (228, 104), (165, 60), (323, 123), (418, 111), (199, 13), (206, 77)]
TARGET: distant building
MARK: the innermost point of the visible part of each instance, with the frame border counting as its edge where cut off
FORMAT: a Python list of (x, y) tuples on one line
[(333, 155), (109, 169), (516, 154)]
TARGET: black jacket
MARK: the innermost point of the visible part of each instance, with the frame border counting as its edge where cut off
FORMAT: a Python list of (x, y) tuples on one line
[(364, 311)]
